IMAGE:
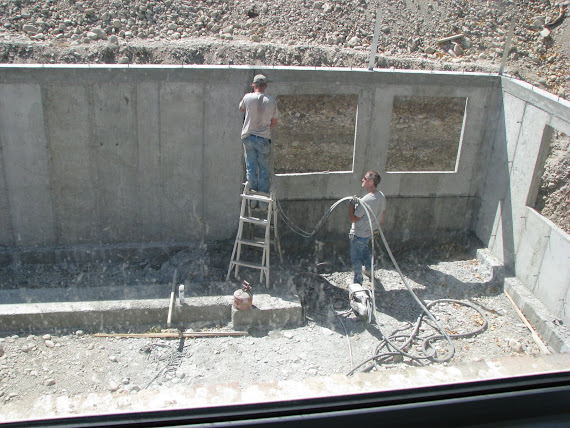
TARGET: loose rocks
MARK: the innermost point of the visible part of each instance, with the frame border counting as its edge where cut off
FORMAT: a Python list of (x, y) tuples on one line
[(413, 34)]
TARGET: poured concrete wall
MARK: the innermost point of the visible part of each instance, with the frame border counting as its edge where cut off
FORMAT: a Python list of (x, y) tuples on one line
[(116, 154), (419, 204), (533, 247), (111, 155)]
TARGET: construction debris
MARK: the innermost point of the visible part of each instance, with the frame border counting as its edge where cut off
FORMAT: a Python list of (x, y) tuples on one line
[(558, 19), (450, 38)]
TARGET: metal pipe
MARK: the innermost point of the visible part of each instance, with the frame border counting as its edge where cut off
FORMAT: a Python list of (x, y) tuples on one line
[(507, 45), (374, 46)]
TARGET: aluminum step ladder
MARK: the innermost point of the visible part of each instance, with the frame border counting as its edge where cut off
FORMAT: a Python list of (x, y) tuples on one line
[(262, 222)]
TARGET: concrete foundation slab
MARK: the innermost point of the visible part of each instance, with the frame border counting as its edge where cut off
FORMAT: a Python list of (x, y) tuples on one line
[(104, 308), (112, 154)]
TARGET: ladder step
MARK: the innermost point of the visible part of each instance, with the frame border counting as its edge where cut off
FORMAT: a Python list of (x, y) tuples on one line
[(254, 220), (256, 192), (249, 264), (257, 197), (261, 238), (255, 242)]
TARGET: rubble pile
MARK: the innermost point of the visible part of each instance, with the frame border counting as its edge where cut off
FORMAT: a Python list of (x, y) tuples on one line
[(420, 34)]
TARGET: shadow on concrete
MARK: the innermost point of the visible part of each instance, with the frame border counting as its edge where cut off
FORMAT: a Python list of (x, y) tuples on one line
[(495, 223)]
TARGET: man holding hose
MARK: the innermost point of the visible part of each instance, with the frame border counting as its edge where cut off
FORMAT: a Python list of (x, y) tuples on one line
[(360, 232)]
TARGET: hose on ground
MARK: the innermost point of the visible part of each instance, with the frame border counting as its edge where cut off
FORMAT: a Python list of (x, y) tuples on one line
[(391, 346)]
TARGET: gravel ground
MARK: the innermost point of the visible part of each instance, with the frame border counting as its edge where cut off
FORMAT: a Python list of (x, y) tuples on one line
[(421, 34), (64, 365)]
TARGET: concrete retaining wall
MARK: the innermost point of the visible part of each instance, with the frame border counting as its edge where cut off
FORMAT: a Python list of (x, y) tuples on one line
[(112, 155), (531, 246), (117, 154)]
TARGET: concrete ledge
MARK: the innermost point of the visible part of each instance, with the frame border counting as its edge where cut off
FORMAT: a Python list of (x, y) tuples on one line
[(269, 311), (203, 310), (491, 265), (104, 308), (35, 317), (111, 314), (544, 322)]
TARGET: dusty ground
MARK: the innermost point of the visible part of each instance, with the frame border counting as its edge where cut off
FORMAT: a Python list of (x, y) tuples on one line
[(63, 365)]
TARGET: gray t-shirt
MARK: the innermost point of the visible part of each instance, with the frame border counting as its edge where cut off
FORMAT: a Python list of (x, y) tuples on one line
[(259, 110), (377, 203)]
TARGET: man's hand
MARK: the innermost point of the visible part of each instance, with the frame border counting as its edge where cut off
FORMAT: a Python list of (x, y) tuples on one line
[(354, 200)]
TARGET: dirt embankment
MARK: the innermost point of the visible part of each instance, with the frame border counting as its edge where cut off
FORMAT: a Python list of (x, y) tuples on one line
[(443, 35)]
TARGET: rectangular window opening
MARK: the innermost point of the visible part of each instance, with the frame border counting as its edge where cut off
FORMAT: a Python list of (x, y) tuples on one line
[(550, 187), (315, 133), (425, 134)]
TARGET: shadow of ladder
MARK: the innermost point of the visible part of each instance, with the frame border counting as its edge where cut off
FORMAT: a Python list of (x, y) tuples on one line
[(249, 216)]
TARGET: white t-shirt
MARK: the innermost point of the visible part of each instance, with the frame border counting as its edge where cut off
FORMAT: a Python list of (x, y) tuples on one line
[(377, 203), (259, 110)]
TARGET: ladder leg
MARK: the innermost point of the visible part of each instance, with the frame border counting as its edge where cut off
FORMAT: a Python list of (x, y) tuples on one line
[(267, 242), (231, 261), (236, 252), (263, 265), (276, 241), (267, 270), (236, 273)]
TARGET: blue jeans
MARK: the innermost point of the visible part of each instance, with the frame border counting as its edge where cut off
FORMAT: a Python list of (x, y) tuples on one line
[(256, 152), (359, 255)]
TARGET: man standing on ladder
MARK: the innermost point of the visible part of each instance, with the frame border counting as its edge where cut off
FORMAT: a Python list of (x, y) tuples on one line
[(260, 117), (360, 232)]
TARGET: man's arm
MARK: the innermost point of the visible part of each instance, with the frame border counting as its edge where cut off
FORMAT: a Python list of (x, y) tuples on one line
[(273, 123), (351, 215)]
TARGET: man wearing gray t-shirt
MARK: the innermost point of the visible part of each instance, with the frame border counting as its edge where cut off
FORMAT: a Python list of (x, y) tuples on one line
[(360, 231), (260, 117)]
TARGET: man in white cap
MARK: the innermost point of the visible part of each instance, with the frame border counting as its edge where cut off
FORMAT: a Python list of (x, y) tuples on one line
[(260, 117)]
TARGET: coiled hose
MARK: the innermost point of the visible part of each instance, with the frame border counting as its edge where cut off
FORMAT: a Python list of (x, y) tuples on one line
[(396, 344)]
